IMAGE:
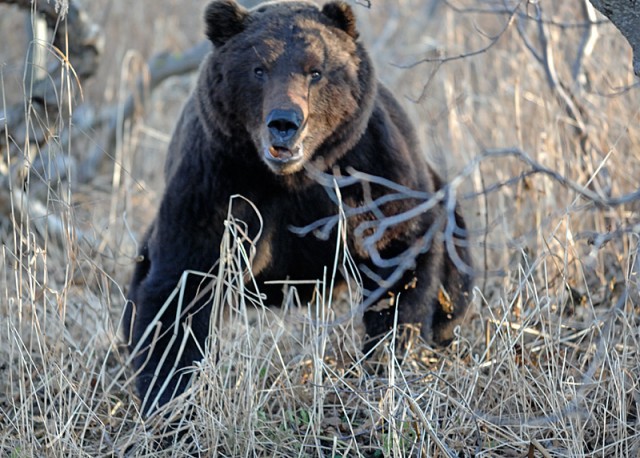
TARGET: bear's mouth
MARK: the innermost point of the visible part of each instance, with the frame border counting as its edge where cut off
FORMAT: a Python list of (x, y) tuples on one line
[(283, 160), (280, 153)]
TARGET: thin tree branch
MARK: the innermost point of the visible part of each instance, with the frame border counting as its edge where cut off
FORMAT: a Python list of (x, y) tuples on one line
[(159, 68), (588, 40)]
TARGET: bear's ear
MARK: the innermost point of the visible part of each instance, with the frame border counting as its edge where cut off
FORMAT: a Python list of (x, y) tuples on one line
[(224, 19), (342, 16)]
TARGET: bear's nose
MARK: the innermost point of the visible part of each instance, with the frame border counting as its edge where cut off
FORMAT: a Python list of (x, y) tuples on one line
[(283, 124)]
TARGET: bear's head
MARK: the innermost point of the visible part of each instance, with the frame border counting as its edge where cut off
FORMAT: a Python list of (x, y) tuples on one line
[(290, 76)]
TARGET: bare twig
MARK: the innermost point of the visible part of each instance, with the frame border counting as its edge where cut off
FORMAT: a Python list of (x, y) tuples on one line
[(588, 40), (493, 41), (372, 231), (506, 10)]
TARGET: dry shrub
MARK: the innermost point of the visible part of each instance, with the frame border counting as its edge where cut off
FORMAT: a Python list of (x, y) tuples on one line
[(547, 363)]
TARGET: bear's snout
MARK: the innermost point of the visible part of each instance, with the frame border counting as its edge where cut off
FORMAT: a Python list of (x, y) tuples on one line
[(283, 133), (283, 125)]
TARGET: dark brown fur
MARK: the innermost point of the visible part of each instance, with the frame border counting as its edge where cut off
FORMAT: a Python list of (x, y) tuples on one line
[(293, 58)]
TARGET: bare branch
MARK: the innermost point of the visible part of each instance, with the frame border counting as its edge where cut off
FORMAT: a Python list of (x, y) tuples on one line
[(372, 230), (588, 40), (160, 67), (493, 40), (548, 60), (527, 42), (522, 15)]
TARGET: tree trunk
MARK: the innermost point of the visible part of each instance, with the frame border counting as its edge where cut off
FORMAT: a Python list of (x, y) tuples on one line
[(625, 15)]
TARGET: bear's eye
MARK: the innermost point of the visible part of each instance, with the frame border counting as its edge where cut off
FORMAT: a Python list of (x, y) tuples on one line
[(259, 72), (315, 75)]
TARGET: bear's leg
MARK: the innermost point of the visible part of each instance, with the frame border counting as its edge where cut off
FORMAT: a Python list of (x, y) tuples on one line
[(139, 274), (164, 352), (434, 296), (411, 297), (377, 324), (454, 295), (450, 305)]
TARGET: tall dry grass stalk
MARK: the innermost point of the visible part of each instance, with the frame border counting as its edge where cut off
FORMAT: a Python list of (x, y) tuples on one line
[(547, 363)]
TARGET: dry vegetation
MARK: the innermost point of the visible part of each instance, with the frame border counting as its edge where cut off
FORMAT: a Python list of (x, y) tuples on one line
[(545, 160)]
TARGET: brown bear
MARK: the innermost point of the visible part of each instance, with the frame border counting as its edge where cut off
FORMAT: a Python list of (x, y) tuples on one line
[(287, 94)]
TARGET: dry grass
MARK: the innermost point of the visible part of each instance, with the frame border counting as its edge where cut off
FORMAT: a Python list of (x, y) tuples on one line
[(547, 363)]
